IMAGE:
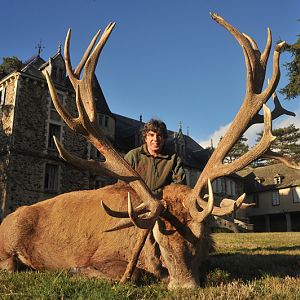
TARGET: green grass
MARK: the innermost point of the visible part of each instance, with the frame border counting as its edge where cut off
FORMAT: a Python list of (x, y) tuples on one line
[(245, 266)]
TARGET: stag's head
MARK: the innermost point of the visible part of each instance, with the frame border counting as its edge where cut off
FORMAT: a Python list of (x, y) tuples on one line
[(178, 219)]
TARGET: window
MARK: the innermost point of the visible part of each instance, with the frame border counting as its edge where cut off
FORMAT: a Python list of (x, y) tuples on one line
[(103, 120), (100, 119), (256, 199), (54, 72), (278, 179), (218, 185), (2, 96), (230, 187), (296, 194), (51, 177), (54, 130), (106, 121), (258, 181), (275, 198)]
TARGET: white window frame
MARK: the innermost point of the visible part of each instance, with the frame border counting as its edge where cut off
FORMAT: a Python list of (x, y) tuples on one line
[(275, 198), (55, 122), (296, 194), (2, 95)]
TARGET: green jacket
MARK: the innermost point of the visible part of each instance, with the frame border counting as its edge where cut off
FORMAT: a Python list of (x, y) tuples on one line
[(159, 171)]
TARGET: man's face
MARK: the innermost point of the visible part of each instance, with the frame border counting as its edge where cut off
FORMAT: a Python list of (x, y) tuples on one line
[(154, 142)]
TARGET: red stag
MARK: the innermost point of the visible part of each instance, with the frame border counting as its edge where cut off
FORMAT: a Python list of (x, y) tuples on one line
[(73, 231)]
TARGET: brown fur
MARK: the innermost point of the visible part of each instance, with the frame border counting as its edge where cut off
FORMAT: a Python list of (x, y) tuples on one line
[(68, 231)]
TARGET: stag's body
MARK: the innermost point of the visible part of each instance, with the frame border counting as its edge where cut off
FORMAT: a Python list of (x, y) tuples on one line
[(68, 231)]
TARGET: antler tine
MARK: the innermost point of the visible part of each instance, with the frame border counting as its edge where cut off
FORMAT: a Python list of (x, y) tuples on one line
[(200, 216), (229, 207), (143, 223), (265, 55), (86, 54), (92, 60), (249, 73), (141, 209), (270, 89), (259, 149), (277, 111), (88, 75), (252, 41), (72, 76), (241, 38), (95, 167), (277, 156)]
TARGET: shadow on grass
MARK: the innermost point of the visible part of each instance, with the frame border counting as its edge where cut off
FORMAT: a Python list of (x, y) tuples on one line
[(277, 249), (241, 266)]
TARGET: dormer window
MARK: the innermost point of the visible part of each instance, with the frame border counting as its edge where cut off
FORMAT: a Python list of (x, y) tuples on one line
[(278, 179), (258, 181)]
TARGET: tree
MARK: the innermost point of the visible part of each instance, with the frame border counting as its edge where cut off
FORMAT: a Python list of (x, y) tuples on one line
[(9, 65), (292, 89), (287, 142), (238, 150)]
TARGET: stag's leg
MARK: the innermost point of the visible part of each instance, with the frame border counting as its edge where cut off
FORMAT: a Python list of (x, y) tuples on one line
[(9, 264), (110, 269)]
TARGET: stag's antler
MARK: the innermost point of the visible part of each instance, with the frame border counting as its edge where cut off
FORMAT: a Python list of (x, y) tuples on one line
[(86, 124), (248, 114)]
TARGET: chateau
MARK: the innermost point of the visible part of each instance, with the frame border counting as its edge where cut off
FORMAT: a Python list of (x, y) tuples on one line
[(30, 167)]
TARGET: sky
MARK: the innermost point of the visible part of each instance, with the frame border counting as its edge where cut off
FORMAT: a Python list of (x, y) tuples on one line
[(165, 58)]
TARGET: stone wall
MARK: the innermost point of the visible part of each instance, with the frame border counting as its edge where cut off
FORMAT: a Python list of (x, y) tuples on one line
[(26, 125)]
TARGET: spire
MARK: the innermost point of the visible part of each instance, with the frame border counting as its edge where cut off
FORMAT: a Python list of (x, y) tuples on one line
[(39, 47), (59, 48), (141, 118), (180, 126), (188, 131)]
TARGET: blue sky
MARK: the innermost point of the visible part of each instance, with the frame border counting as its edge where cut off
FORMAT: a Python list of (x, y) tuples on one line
[(165, 58)]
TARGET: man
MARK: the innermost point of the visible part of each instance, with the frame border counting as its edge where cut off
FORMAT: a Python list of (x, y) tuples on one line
[(157, 165)]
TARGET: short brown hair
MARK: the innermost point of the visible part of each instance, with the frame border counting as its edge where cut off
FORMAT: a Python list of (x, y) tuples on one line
[(157, 126)]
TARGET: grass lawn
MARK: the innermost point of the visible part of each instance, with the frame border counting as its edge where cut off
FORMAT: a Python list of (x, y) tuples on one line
[(245, 266)]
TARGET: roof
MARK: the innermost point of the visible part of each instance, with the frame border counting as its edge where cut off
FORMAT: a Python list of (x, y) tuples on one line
[(290, 177), (32, 66), (101, 104)]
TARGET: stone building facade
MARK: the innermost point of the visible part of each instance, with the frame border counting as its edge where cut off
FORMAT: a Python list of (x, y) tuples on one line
[(30, 167)]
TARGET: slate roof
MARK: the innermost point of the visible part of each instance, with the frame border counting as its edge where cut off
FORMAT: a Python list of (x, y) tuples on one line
[(290, 177), (33, 65)]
